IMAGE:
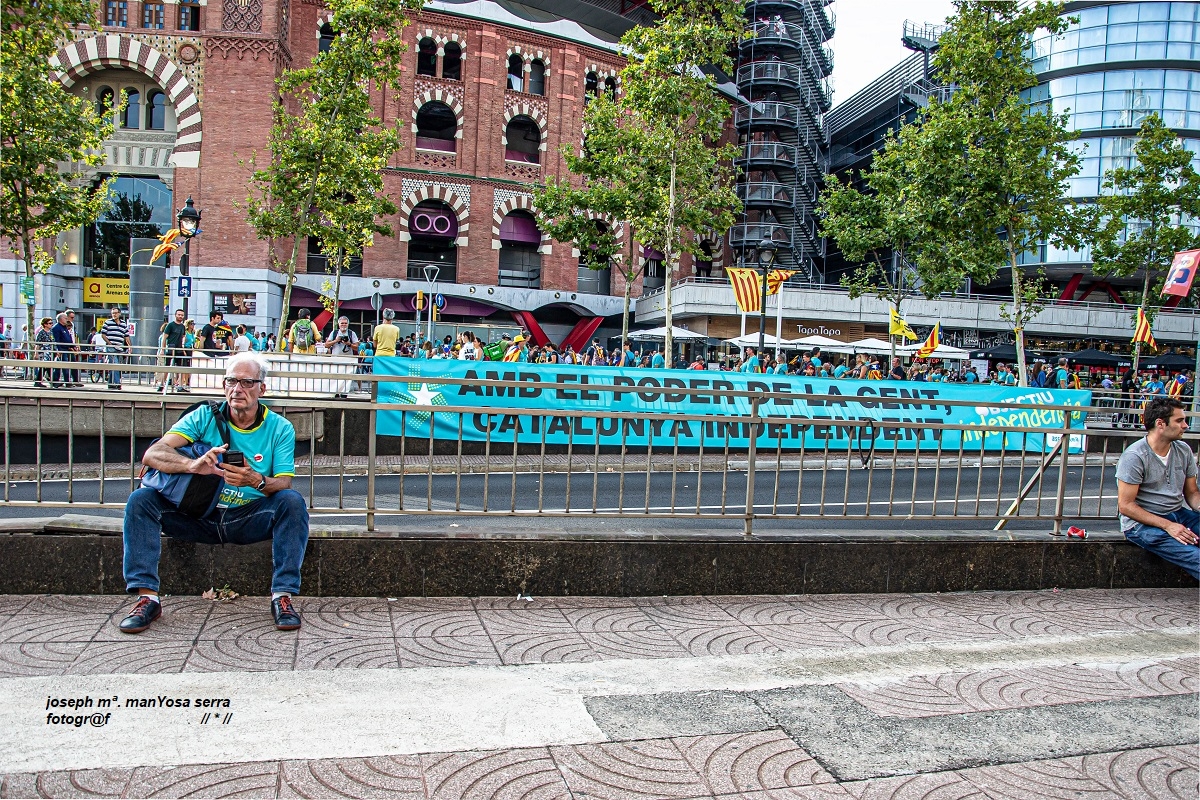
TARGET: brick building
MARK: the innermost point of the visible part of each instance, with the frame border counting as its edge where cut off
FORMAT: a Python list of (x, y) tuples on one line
[(492, 91)]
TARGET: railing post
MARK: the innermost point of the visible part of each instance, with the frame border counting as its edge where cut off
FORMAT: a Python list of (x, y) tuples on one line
[(372, 416), (751, 456), (1064, 457)]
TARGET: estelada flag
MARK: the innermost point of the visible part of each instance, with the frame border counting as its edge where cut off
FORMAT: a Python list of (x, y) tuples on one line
[(899, 327), (1183, 272), (776, 278), (747, 289), (1142, 332), (931, 343)]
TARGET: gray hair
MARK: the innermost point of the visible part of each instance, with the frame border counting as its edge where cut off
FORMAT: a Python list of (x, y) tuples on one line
[(253, 358), (60, 316), (389, 313), (343, 319)]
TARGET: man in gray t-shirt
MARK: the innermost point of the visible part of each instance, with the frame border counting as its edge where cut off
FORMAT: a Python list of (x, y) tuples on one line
[(1154, 477)]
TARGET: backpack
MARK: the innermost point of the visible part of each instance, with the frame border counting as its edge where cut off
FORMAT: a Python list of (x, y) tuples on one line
[(194, 495), (303, 337), (495, 351)]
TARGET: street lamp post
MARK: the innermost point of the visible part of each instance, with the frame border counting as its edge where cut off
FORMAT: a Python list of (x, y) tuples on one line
[(431, 274), (766, 257), (188, 222)]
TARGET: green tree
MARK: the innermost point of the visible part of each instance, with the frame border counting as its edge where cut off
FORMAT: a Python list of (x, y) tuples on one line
[(651, 157), (997, 170), (329, 146), (1148, 211), (48, 134), (890, 230)]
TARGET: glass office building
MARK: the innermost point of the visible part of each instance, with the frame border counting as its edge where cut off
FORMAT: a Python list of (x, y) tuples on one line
[(1117, 64)]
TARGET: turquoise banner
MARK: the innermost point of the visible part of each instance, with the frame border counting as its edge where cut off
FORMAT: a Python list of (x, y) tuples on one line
[(819, 424)]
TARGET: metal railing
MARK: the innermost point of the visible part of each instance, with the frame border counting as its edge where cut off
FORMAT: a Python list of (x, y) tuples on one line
[(368, 459)]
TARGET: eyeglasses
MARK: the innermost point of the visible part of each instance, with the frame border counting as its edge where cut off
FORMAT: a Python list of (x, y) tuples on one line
[(245, 383)]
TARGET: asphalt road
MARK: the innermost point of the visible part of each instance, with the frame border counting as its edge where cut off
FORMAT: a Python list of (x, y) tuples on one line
[(893, 496)]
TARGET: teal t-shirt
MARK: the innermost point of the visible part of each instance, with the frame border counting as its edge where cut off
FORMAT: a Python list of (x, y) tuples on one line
[(751, 364), (1062, 379), (839, 370), (780, 369), (270, 448)]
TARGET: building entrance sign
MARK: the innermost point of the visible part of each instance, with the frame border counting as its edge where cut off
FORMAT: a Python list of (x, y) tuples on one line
[(820, 424)]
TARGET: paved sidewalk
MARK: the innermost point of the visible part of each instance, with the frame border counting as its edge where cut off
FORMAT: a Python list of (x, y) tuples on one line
[(985, 695)]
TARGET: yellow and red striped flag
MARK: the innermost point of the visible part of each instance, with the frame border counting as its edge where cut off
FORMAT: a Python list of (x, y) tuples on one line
[(747, 289), (776, 278), (1142, 332), (931, 343)]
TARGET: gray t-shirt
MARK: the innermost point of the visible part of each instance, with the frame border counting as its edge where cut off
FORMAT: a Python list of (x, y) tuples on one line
[(1160, 486)]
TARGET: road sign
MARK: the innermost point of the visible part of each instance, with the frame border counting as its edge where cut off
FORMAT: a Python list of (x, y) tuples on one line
[(440, 301), (185, 287), (377, 301)]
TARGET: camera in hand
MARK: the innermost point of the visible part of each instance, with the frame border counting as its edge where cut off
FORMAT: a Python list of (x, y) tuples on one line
[(235, 458)]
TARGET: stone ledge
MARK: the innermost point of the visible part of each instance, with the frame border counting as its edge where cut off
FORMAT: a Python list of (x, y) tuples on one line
[(433, 564)]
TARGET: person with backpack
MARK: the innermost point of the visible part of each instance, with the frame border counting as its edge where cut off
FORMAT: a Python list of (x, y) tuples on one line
[(229, 469), (304, 334)]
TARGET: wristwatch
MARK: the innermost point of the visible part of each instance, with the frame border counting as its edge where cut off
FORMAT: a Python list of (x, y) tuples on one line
[(262, 484)]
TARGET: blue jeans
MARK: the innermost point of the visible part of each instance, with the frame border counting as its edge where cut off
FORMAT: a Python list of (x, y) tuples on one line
[(1163, 545), (281, 517)]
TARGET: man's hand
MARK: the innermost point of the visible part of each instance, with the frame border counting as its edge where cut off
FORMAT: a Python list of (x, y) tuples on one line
[(1181, 533), (241, 476), (207, 464)]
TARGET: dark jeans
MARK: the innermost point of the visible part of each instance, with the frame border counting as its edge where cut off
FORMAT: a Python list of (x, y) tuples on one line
[(1163, 545), (114, 375), (281, 517), (60, 375)]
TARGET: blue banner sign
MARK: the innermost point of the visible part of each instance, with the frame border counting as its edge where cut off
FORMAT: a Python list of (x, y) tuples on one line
[(526, 412)]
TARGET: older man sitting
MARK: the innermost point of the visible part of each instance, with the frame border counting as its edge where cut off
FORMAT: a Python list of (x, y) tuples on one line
[(256, 500)]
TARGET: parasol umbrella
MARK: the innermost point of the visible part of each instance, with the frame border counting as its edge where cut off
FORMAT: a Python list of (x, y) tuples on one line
[(678, 334)]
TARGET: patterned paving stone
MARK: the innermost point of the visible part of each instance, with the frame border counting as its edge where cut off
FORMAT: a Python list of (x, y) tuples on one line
[(38, 658), (685, 612), (356, 617), (609, 618), (1057, 779), (651, 643), (51, 627), (75, 603), (1145, 774), (521, 621), (72, 783), (653, 768), (447, 651), (339, 653), (424, 624), (543, 648), (503, 775), (257, 779), (13, 603), (383, 778), (135, 655), (742, 762), (763, 610), (803, 636), (929, 786), (254, 651), (720, 640), (174, 624)]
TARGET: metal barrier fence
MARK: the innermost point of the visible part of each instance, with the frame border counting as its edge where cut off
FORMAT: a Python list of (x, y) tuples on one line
[(79, 450)]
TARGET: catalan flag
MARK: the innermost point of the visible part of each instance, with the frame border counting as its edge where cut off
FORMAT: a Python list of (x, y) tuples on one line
[(747, 289), (931, 343), (1142, 332), (899, 327), (776, 278)]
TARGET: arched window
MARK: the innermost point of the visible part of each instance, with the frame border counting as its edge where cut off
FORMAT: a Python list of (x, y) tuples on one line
[(433, 228), (523, 140), (105, 100), (516, 73), (133, 108), (189, 15), (594, 277), (452, 62), (537, 77), (325, 41), (156, 111), (427, 57), (436, 127), (591, 86), (610, 86), (520, 261)]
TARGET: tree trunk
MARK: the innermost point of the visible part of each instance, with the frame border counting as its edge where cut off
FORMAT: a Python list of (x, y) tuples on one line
[(669, 266), (289, 278), (630, 276), (30, 308), (892, 339), (1018, 319)]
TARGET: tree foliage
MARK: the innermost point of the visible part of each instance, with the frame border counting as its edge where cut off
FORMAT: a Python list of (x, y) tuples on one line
[(651, 157), (328, 146), (1149, 210), (890, 228), (996, 169), (48, 134)]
